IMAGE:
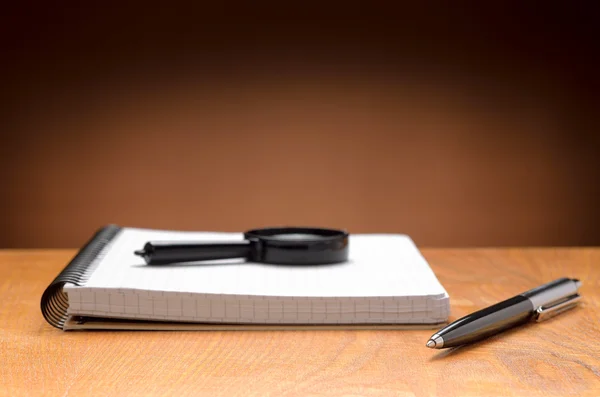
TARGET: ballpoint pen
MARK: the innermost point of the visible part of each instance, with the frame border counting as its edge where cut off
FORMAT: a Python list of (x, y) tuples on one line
[(539, 303)]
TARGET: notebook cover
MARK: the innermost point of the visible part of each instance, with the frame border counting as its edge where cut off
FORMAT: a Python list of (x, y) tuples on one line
[(88, 323)]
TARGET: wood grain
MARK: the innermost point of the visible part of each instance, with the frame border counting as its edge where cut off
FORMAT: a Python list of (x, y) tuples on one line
[(557, 357)]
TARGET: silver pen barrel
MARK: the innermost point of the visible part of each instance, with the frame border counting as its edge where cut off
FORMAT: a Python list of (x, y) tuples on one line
[(552, 292)]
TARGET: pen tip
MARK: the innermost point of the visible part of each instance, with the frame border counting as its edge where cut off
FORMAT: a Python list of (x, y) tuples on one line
[(431, 344), (139, 252)]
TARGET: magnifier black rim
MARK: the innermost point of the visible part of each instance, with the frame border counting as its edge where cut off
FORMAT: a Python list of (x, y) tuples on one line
[(271, 233)]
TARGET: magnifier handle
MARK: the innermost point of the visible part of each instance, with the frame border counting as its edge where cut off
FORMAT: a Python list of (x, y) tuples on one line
[(162, 253)]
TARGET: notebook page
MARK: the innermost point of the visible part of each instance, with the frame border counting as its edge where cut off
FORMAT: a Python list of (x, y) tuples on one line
[(379, 266)]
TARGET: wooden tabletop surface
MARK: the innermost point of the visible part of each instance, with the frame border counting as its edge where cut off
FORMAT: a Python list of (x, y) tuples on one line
[(556, 357)]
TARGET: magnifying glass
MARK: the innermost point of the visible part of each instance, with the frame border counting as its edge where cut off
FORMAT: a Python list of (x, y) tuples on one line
[(286, 246)]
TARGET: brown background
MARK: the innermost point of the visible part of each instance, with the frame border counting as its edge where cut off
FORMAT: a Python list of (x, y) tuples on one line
[(462, 126)]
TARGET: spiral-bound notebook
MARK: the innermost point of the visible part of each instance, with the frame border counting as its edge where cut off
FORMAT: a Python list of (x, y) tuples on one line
[(386, 283)]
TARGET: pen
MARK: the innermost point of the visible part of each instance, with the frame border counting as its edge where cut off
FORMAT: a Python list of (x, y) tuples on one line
[(540, 303)]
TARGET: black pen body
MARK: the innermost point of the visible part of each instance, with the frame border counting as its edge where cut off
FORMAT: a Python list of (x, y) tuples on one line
[(487, 322)]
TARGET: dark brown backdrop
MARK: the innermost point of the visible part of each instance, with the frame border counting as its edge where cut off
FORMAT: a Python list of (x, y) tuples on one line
[(460, 126)]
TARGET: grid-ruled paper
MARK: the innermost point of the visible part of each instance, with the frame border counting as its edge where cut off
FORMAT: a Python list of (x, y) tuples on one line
[(385, 278)]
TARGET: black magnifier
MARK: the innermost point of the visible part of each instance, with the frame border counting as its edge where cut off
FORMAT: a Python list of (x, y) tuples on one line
[(285, 246)]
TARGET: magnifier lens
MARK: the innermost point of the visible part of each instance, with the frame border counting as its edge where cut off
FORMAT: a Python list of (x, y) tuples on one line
[(297, 236)]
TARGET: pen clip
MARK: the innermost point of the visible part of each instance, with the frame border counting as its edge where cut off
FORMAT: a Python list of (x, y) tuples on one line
[(557, 307)]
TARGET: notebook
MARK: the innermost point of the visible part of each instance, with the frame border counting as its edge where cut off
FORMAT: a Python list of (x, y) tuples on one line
[(386, 283)]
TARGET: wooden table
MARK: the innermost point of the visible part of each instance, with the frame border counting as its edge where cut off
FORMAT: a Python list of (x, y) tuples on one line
[(558, 357)]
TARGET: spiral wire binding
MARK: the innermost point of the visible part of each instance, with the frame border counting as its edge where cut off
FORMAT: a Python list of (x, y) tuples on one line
[(54, 303)]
